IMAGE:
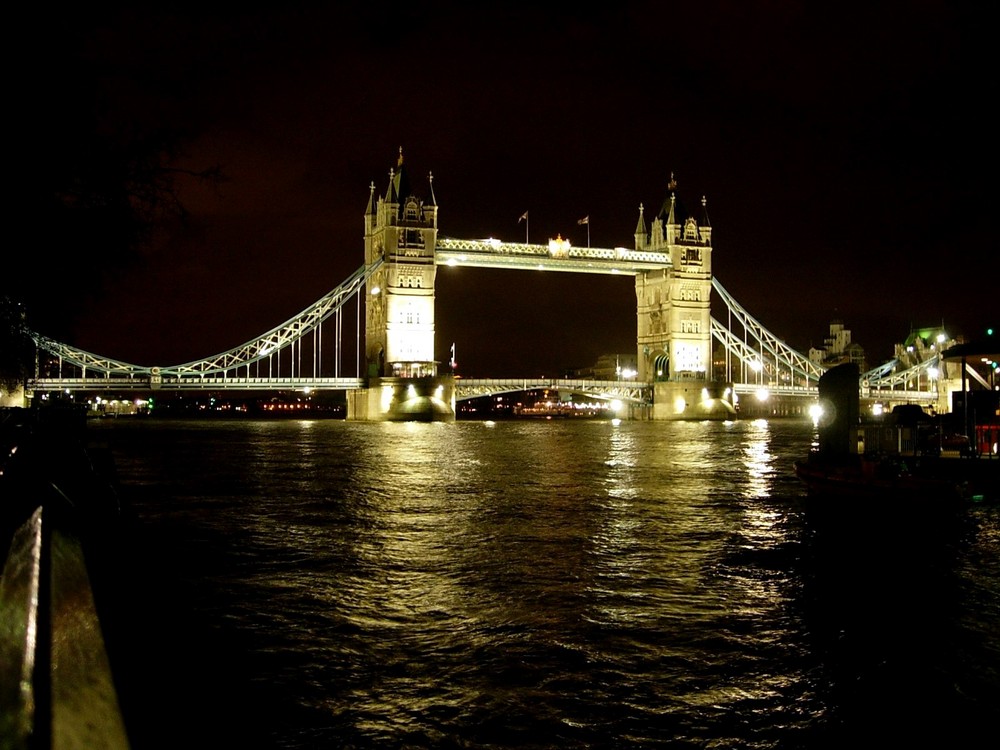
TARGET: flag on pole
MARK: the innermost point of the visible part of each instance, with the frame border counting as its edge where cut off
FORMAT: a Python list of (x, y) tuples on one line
[(584, 220), (524, 217)]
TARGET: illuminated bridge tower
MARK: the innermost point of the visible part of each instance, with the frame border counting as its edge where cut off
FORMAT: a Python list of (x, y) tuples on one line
[(402, 378), (673, 306)]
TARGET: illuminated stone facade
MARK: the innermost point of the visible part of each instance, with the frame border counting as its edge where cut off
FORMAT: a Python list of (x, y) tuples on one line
[(401, 231), (673, 304), (401, 372)]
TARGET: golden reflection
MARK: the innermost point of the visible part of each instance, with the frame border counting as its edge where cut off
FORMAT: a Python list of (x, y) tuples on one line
[(758, 460)]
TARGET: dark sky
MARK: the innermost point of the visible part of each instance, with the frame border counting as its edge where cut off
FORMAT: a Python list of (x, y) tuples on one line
[(846, 152)]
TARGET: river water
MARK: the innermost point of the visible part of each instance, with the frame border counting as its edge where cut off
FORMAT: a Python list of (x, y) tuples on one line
[(536, 584)]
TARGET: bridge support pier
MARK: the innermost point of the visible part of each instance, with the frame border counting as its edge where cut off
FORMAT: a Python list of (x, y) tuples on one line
[(429, 399), (693, 399)]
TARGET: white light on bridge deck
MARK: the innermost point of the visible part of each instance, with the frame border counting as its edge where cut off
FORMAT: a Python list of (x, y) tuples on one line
[(763, 394)]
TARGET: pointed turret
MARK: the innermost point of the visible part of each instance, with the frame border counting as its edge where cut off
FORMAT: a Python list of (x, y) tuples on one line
[(640, 230), (391, 196), (705, 228), (432, 201)]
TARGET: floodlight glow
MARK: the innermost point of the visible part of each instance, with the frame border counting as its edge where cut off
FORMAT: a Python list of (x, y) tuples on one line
[(376, 290), (815, 413), (617, 405), (763, 394), (756, 365), (679, 405)]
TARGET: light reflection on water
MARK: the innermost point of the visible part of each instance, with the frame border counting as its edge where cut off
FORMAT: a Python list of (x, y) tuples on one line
[(532, 584)]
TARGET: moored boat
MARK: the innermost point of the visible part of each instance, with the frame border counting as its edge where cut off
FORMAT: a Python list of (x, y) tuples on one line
[(845, 465), (878, 477)]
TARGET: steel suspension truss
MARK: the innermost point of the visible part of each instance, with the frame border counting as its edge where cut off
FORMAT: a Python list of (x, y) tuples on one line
[(885, 377), (260, 348), (760, 350)]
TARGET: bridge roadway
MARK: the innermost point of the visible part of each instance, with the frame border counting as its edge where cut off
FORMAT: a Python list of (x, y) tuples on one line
[(465, 388)]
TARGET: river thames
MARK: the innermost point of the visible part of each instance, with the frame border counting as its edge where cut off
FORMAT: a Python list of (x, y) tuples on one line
[(536, 584)]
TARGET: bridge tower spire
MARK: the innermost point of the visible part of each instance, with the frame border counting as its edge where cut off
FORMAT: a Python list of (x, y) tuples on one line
[(400, 238)]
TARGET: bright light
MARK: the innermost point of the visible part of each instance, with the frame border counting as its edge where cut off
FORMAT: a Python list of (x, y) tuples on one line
[(933, 372), (877, 410), (627, 373), (411, 390), (816, 413), (616, 405), (307, 390), (679, 405), (559, 246), (616, 421), (376, 290), (941, 338), (763, 394), (756, 365), (452, 262)]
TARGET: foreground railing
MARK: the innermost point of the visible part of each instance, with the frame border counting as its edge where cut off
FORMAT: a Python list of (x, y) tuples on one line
[(56, 683)]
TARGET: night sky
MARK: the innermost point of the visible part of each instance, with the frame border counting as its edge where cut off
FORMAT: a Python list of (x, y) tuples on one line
[(845, 150)]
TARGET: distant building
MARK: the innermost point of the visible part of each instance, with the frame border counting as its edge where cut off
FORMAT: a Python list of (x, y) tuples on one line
[(838, 349), (610, 367), (922, 344)]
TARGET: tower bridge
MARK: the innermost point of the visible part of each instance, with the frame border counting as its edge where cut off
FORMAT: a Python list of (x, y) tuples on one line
[(690, 365)]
